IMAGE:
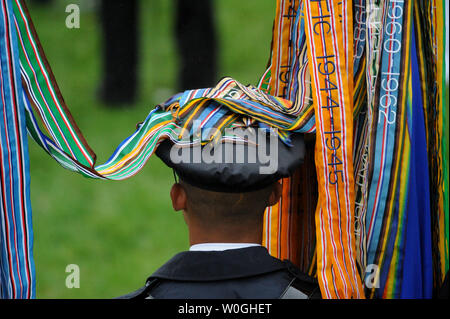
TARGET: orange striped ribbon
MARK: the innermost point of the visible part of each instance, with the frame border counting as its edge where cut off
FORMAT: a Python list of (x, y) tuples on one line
[(289, 225), (329, 51), (280, 222), (284, 21)]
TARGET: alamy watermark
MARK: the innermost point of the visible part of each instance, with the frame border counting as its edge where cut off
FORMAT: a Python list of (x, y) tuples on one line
[(372, 276), (237, 145), (73, 17), (73, 278)]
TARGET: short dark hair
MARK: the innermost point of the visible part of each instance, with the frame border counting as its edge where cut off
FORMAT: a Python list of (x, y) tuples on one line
[(223, 207)]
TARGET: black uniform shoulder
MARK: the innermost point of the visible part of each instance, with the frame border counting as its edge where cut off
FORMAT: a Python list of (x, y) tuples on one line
[(301, 284), (238, 273)]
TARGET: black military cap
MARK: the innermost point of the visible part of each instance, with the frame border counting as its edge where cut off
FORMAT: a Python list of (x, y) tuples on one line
[(224, 166)]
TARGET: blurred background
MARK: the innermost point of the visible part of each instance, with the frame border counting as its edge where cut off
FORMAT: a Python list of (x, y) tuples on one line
[(120, 232)]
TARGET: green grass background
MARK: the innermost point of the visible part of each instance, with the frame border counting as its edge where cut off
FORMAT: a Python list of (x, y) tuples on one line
[(118, 233)]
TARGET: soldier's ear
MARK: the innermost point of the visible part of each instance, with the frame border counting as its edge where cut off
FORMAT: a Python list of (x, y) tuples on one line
[(178, 196), (275, 195)]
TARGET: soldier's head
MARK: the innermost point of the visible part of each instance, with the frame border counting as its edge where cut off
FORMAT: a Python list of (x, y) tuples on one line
[(228, 215), (225, 200)]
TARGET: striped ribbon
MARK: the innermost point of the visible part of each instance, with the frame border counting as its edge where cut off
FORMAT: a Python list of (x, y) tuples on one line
[(17, 273), (432, 32), (394, 168), (283, 222), (329, 52)]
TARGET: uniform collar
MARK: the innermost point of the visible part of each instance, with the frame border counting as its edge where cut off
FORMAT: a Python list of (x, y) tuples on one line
[(220, 246), (219, 265)]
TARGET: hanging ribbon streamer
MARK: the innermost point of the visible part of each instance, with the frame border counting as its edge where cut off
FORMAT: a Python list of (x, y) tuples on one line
[(430, 18), (393, 210), (17, 273), (329, 51)]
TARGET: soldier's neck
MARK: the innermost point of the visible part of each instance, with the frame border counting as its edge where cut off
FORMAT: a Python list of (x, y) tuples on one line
[(199, 234)]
